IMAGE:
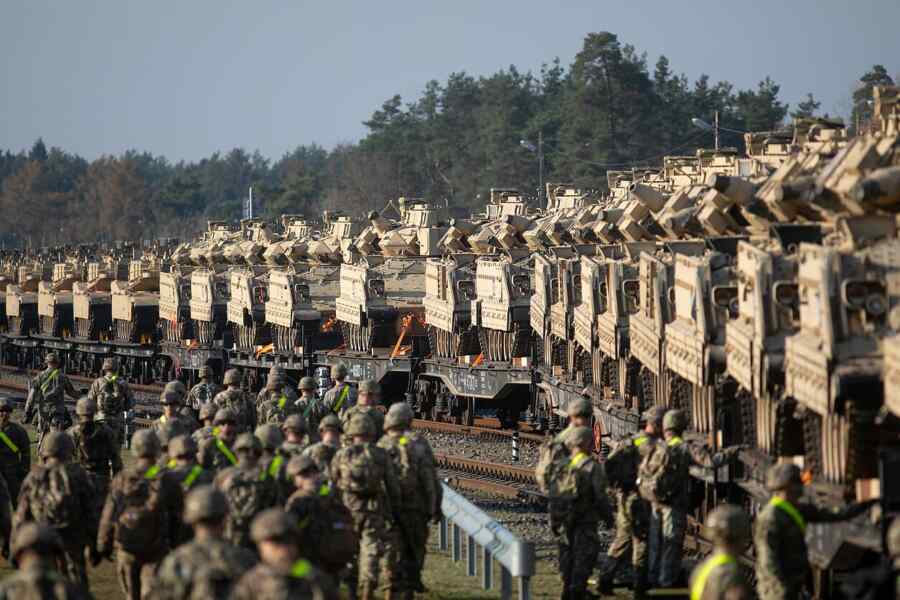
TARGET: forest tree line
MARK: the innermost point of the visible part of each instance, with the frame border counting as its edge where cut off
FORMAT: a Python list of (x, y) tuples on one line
[(609, 109)]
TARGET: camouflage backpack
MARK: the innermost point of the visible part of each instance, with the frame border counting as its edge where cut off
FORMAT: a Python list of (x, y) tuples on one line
[(552, 455), (356, 471), (658, 473), (622, 465), (402, 454), (51, 497), (247, 494), (334, 530), (108, 399), (214, 576), (141, 527), (562, 492)]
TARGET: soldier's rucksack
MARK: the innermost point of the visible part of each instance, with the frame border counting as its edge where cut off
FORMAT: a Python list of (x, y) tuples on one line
[(214, 578), (108, 401), (334, 528), (658, 473), (552, 455), (357, 472), (562, 492), (51, 497), (247, 495), (622, 465), (141, 527)]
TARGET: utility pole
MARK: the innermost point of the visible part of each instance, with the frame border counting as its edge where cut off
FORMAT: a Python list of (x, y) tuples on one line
[(716, 126), (541, 165), (250, 202)]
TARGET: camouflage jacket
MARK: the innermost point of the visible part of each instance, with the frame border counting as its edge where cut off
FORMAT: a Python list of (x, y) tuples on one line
[(416, 473), (291, 449), (684, 455), (303, 582), (336, 401), (15, 451), (266, 394), (373, 412), (110, 406), (719, 577), (591, 503), (202, 393), (96, 449), (378, 466), (48, 393), (201, 569), (190, 476), (41, 581), (240, 403), (81, 502), (322, 454), (276, 408), (215, 454), (623, 462), (248, 493), (185, 424), (205, 432)]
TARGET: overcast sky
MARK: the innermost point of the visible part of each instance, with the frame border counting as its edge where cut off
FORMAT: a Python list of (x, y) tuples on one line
[(186, 78)]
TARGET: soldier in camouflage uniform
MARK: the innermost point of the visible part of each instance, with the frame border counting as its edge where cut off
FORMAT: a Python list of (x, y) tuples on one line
[(234, 398), (367, 481), (6, 518), (15, 450), (208, 566), (342, 395), (367, 403), (60, 494), (323, 451), (668, 520), (782, 559), (96, 449), (207, 426), (281, 572), (47, 395), (34, 550), (171, 403), (277, 400), (204, 391), (295, 439), (215, 452), (273, 461), (143, 490), (248, 489), (579, 543), (113, 398), (311, 407), (719, 577), (183, 468), (632, 511), (165, 433), (580, 413), (420, 497)]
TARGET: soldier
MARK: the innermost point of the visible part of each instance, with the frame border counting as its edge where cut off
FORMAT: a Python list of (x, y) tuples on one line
[(183, 464), (34, 549), (215, 452), (670, 506), (208, 566), (580, 413), (368, 485), (323, 452), (782, 560), (15, 450), (60, 494), (273, 462), (294, 429), (247, 488), (234, 398), (166, 432), (277, 400), (420, 497), (719, 577), (342, 395), (141, 517), (170, 401), (281, 572), (367, 404), (311, 407), (632, 511), (96, 449), (113, 398), (583, 485), (204, 391), (207, 418), (47, 394)]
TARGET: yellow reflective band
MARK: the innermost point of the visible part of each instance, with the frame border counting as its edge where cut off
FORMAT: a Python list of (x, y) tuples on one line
[(640, 441), (224, 450), (340, 402), (578, 460), (282, 401), (675, 441), (9, 443), (705, 569), (217, 431), (112, 378), (275, 465), (152, 472), (403, 440), (790, 510), (303, 523), (163, 419), (301, 569), (324, 489), (53, 375), (172, 463), (192, 476)]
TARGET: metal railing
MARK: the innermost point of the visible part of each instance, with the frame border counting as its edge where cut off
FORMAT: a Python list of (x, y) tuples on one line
[(496, 543)]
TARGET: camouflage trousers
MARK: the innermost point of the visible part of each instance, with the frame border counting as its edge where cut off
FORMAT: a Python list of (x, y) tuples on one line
[(632, 528), (239, 535), (667, 528), (376, 552), (101, 489), (14, 484), (407, 552), (772, 588), (579, 545), (71, 562), (135, 576), (117, 426)]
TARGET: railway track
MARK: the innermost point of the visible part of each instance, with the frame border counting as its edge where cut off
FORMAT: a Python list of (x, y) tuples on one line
[(502, 480), (476, 431)]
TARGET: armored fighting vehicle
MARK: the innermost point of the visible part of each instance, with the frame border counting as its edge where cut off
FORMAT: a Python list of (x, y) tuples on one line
[(135, 303), (55, 301), (175, 323), (246, 306), (21, 299), (501, 309), (449, 292), (209, 304), (91, 299)]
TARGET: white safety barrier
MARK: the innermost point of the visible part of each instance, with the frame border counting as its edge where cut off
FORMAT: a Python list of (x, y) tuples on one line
[(516, 557)]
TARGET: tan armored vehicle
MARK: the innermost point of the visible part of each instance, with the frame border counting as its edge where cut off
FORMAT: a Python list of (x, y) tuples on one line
[(449, 292), (501, 309), (246, 306), (92, 301), (21, 299), (55, 301), (135, 303), (174, 304), (209, 304)]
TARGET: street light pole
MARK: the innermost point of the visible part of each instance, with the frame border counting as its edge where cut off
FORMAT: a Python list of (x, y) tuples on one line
[(541, 165), (717, 130)]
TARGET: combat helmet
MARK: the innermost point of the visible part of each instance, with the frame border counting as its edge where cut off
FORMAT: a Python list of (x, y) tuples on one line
[(300, 464), (369, 386), (270, 436), (654, 415), (85, 407), (205, 372), (169, 397), (331, 421), (307, 383), (182, 445), (205, 503), (109, 364), (780, 477), (247, 442), (166, 432), (232, 377), (728, 524), (893, 538), (273, 524), (41, 538), (398, 415), (225, 415), (675, 420), (361, 425), (145, 444), (578, 437), (579, 407), (294, 422), (57, 444), (52, 358), (338, 371)]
